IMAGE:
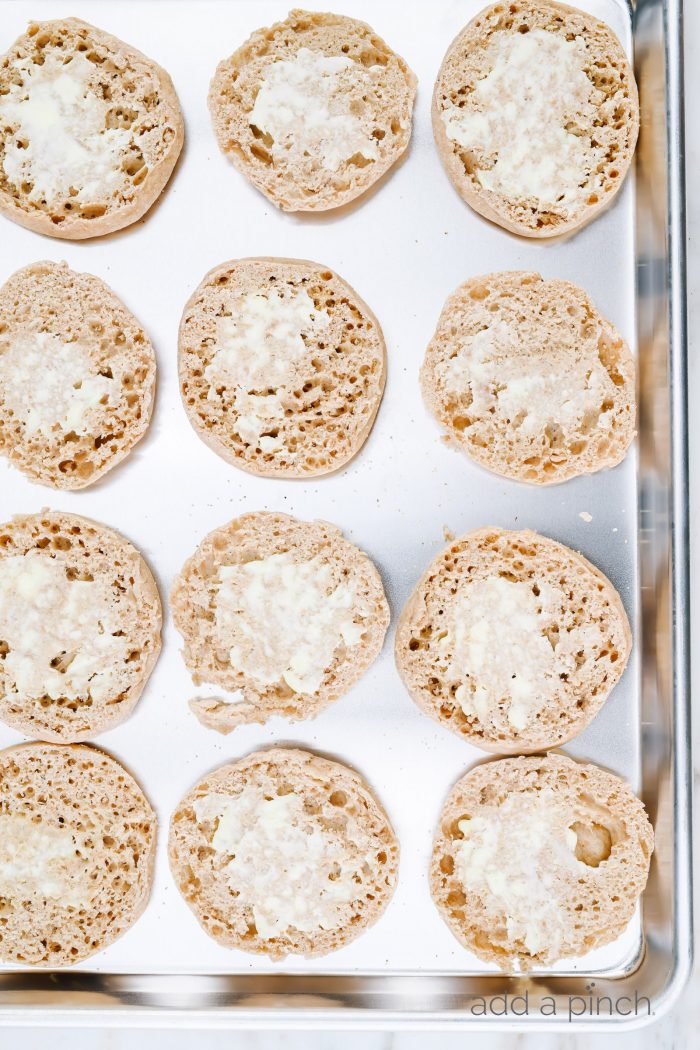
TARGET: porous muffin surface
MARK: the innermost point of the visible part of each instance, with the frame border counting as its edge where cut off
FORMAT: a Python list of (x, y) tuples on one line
[(283, 615), (282, 853), (80, 620), (529, 379), (77, 376), (282, 366), (90, 130), (536, 116), (539, 858), (77, 844), (313, 109), (512, 640)]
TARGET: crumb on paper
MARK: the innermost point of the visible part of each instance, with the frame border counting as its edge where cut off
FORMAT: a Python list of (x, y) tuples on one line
[(585, 516), (615, 530)]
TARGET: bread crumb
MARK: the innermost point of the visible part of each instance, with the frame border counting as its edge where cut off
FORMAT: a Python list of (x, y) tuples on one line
[(585, 516)]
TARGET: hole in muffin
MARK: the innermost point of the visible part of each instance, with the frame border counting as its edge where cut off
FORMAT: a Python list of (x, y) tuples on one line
[(593, 843)]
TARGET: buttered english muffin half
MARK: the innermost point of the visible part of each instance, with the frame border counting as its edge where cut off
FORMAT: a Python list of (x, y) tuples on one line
[(536, 116), (77, 847), (77, 376), (80, 621), (538, 859), (90, 131), (512, 640), (283, 853), (529, 379), (283, 615), (282, 366), (313, 110)]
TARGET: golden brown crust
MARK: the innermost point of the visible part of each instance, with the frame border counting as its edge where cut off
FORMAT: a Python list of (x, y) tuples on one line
[(85, 546), (305, 188), (86, 791), (146, 190), (615, 842), (522, 555), (603, 46), (329, 790), (327, 440)]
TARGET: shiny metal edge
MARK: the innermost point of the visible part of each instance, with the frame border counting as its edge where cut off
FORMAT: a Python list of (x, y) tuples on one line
[(664, 965)]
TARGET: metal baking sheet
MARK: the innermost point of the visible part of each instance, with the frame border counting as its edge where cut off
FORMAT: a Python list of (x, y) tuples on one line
[(404, 247)]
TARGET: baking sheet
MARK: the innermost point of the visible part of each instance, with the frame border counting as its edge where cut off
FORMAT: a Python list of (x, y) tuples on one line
[(404, 249)]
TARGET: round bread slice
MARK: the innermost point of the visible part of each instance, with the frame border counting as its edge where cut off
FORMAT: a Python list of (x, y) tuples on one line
[(77, 376), (313, 110), (282, 366), (536, 116), (90, 130), (283, 853), (284, 614), (80, 621), (77, 847), (529, 379), (539, 858), (512, 640)]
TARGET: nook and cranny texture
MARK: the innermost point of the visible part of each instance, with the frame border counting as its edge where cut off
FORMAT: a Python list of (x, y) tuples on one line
[(77, 847), (77, 376), (90, 131), (536, 116), (282, 366), (539, 858), (283, 852), (313, 110), (512, 640), (529, 379)]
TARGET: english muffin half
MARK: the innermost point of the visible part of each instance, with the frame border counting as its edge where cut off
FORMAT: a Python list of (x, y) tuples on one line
[(313, 110), (529, 379), (283, 853), (77, 846), (285, 615), (282, 366), (538, 859), (512, 640), (80, 621), (536, 116), (90, 130), (77, 376)]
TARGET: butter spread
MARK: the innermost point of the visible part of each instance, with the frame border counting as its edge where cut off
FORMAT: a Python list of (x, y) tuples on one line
[(292, 872), (523, 120), (517, 857), (255, 358), (61, 634), (51, 385), (283, 620), (60, 145), (507, 650), (526, 391), (304, 104), (37, 861)]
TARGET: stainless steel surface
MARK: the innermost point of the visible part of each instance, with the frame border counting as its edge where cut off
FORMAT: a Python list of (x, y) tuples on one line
[(404, 249)]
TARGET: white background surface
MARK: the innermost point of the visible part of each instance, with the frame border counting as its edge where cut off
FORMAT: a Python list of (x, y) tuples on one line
[(672, 1032)]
